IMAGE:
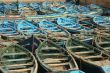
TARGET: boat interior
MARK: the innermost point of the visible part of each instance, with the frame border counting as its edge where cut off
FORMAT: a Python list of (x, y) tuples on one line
[(88, 54), (15, 60), (56, 58)]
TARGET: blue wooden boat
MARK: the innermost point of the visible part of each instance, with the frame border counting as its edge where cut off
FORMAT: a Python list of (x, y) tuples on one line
[(71, 24), (52, 28), (27, 28), (8, 28), (87, 22), (83, 9), (58, 7), (55, 59), (102, 21), (53, 7), (23, 5), (11, 24), (54, 32), (92, 59), (95, 9), (12, 6), (72, 10), (90, 10), (11, 9), (2, 9), (7, 31), (35, 6)]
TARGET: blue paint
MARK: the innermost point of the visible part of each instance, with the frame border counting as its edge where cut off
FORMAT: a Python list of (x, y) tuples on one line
[(77, 71), (70, 23), (58, 10), (2, 8), (47, 25), (8, 27), (83, 9), (35, 6), (106, 69), (27, 28), (10, 24), (23, 5), (102, 21)]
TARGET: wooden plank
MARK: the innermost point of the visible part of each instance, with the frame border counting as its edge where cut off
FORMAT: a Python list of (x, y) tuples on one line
[(84, 52), (50, 48), (52, 60), (14, 65), (107, 48), (10, 54), (75, 47), (14, 60), (89, 57), (104, 42), (53, 54), (20, 70), (60, 64)]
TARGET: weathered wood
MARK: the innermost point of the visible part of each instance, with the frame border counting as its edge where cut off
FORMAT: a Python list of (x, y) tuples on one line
[(75, 47), (55, 61), (52, 60), (107, 48), (20, 70), (106, 42), (10, 54), (21, 59), (15, 58), (53, 54), (97, 56), (60, 64), (84, 52), (49, 48), (14, 65)]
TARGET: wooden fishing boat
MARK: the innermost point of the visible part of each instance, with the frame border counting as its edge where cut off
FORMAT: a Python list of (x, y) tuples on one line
[(11, 9), (16, 59), (90, 10), (8, 28), (35, 6), (30, 43), (27, 11), (52, 7), (103, 43), (27, 28), (87, 22), (69, 23), (72, 25), (55, 59), (53, 30), (84, 37), (2, 9), (7, 42), (102, 22), (91, 59)]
